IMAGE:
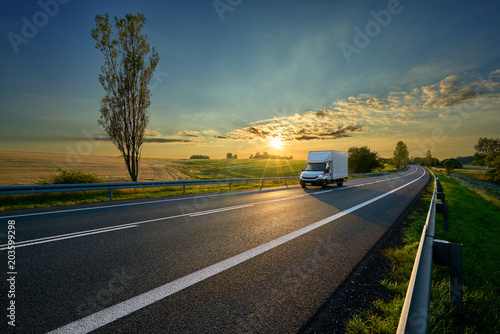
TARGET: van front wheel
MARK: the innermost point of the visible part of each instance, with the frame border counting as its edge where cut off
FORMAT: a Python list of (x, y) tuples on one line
[(324, 184)]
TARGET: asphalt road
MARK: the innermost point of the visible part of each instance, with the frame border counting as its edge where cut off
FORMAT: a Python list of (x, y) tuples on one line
[(228, 263)]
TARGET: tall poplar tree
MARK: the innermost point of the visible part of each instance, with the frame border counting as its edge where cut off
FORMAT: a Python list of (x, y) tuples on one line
[(125, 76)]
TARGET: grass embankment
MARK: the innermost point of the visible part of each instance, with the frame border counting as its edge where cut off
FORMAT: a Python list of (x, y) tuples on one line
[(474, 223), (486, 189), (196, 169)]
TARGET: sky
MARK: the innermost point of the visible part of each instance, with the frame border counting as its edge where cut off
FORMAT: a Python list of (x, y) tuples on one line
[(241, 76)]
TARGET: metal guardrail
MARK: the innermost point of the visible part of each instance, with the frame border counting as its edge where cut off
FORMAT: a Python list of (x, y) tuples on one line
[(52, 188), (415, 314)]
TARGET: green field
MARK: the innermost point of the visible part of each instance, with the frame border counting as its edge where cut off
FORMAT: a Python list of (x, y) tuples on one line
[(236, 168)]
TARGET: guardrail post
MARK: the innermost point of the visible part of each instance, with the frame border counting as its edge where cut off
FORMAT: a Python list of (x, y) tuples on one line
[(286, 185), (110, 194), (444, 209), (442, 197), (229, 184), (450, 255), (262, 185), (439, 187), (184, 189), (456, 276)]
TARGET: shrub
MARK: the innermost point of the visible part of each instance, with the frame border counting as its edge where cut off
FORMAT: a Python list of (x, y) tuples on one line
[(70, 176)]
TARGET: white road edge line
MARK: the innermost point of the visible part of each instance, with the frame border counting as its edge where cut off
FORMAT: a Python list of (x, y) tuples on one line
[(201, 213), (112, 228), (115, 312), (30, 243), (64, 235)]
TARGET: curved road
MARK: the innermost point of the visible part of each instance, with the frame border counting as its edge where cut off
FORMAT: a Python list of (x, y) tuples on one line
[(229, 263)]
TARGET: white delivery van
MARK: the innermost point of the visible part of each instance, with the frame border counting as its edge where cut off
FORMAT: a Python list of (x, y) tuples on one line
[(323, 168)]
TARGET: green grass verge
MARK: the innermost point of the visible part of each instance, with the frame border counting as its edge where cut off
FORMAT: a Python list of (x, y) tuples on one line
[(474, 223)]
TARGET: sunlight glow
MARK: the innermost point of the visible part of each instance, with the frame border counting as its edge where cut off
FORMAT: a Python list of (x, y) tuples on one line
[(276, 143)]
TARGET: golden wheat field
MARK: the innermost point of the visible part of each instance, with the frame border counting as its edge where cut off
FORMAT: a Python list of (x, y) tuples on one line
[(27, 168)]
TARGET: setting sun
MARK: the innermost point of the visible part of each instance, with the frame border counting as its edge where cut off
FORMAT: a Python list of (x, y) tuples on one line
[(276, 143)]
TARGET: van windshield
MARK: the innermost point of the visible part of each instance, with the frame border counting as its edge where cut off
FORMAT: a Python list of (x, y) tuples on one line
[(315, 167)]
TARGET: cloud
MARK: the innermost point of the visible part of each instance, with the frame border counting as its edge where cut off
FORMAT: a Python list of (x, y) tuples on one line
[(366, 113), (149, 133), (313, 125), (188, 133), (154, 136), (184, 136), (306, 138), (450, 92), (166, 140)]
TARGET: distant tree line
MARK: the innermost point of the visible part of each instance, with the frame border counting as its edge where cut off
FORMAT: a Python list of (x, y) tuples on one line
[(468, 160), (448, 164), (487, 154), (266, 155), (231, 156), (198, 156)]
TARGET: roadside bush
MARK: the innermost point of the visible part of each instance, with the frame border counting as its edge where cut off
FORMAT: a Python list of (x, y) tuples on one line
[(65, 176)]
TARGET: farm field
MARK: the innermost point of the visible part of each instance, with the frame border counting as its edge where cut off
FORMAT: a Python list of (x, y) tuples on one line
[(26, 168)]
